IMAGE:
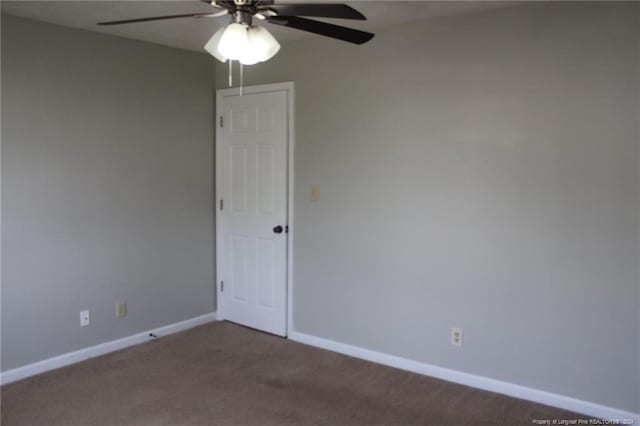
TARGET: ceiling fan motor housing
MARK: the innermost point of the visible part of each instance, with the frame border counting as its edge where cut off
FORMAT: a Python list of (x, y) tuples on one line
[(241, 16)]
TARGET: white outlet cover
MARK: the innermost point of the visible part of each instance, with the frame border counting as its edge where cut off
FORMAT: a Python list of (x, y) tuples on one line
[(456, 336)]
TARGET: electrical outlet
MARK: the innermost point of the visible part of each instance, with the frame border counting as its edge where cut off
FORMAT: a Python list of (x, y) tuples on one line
[(121, 309), (456, 336), (84, 318)]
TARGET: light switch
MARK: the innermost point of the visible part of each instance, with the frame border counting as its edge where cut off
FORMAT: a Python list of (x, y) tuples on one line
[(121, 309), (315, 192)]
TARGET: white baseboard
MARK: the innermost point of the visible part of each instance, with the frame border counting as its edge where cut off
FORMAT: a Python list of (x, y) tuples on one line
[(101, 349), (480, 382)]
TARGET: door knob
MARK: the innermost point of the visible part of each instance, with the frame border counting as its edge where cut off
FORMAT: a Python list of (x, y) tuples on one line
[(277, 229)]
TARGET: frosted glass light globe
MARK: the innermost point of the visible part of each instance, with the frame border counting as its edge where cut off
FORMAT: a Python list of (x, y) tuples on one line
[(212, 45), (234, 43), (263, 45)]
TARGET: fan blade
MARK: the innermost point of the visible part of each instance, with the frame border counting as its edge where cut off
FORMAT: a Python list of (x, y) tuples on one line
[(335, 31), (158, 18), (213, 15), (220, 4), (326, 10)]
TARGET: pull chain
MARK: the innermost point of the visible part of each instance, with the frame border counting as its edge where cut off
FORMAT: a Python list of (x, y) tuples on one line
[(231, 75)]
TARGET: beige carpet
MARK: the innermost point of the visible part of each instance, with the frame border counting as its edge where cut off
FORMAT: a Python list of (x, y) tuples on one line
[(221, 373)]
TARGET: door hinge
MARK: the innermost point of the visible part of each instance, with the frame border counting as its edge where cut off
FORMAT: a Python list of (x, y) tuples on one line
[(221, 285), (221, 204), (221, 121), (286, 229)]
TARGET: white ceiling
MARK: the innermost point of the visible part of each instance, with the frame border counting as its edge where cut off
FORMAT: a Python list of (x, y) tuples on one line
[(192, 34)]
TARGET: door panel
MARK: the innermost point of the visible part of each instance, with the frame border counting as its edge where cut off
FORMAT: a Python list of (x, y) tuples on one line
[(239, 267), (254, 173)]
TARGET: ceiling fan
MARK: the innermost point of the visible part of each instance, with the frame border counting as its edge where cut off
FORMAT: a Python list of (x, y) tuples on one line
[(247, 43)]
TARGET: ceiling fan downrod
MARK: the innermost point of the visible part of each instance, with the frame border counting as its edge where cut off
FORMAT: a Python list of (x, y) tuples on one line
[(241, 16)]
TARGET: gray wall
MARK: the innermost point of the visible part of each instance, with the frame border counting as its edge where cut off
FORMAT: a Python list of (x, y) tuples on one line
[(107, 149), (478, 171)]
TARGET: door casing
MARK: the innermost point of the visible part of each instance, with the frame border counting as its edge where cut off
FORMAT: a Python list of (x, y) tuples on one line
[(288, 88)]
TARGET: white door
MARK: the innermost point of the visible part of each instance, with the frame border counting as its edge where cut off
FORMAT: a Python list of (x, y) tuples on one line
[(252, 142)]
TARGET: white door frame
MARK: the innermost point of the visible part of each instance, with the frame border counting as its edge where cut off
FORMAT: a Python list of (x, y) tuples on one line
[(287, 87)]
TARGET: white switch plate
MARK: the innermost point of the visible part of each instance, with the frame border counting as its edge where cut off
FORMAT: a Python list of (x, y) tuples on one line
[(315, 192), (456, 336), (84, 318), (121, 309)]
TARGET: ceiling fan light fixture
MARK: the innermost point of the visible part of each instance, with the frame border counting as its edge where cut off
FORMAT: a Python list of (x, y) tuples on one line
[(240, 42)]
